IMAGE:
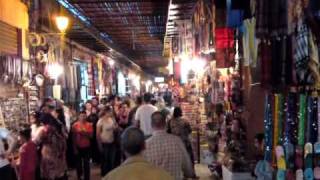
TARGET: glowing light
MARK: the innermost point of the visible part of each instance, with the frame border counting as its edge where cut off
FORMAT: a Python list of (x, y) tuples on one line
[(54, 70), (111, 62), (62, 23)]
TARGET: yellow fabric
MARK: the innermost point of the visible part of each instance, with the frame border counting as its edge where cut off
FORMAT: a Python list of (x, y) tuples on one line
[(281, 164), (275, 126), (314, 60), (137, 168), (99, 63)]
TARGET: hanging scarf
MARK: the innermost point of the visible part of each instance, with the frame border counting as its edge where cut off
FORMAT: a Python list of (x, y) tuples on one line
[(302, 116), (280, 118), (268, 128), (318, 119), (276, 129), (291, 135)]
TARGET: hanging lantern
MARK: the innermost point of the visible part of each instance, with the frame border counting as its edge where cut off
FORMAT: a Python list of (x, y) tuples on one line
[(62, 23)]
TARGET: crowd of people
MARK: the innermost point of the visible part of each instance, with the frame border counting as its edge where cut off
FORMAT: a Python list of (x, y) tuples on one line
[(129, 139)]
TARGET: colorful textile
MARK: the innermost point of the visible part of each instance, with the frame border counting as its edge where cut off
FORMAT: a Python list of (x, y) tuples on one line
[(250, 44), (302, 116), (265, 58), (234, 16), (302, 55), (268, 128), (91, 87), (224, 38)]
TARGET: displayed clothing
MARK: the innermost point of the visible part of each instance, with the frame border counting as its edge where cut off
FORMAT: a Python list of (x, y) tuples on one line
[(250, 43), (234, 16), (302, 55)]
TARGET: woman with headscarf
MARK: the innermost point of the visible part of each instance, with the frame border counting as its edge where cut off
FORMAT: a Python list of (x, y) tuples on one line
[(180, 127), (53, 164)]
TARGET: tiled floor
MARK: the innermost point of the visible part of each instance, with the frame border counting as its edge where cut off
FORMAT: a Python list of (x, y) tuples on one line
[(201, 170)]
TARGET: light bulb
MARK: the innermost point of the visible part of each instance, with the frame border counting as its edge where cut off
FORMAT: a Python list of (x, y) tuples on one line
[(62, 23)]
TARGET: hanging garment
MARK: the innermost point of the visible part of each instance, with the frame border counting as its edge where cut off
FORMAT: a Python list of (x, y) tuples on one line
[(221, 18), (312, 126), (242, 5), (302, 55), (225, 57), (279, 17), (250, 43), (224, 38), (291, 122), (276, 123), (263, 14), (91, 91), (234, 17), (268, 128), (278, 60), (302, 117)]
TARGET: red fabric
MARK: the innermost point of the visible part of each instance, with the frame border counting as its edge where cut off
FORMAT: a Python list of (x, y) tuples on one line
[(82, 133), (224, 58), (224, 38), (28, 161)]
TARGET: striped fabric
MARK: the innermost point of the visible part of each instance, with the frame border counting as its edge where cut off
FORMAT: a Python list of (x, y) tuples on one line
[(91, 89), (302, 55)]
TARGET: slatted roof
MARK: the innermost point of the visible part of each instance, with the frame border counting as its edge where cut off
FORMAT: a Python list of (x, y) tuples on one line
[(135, 28)]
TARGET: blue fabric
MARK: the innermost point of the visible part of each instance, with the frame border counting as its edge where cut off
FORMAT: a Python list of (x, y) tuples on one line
[(268, 129), (308, 174), (234, 17)]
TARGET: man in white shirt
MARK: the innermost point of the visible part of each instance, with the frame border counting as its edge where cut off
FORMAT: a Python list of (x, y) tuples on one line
[(143, 115), (6, 171)]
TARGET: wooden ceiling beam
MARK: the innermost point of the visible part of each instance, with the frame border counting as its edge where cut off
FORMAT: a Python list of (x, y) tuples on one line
[(118, 1), (129, 15)]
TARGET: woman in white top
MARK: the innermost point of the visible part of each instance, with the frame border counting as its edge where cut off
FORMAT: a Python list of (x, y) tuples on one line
[(36, 127), (107, 141)]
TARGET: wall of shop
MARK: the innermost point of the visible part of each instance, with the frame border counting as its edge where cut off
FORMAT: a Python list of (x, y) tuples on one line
[(15, 13)]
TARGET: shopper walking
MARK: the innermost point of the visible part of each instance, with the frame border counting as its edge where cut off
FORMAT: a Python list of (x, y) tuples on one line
[(36, 126), (133, 111), (168, 151), (136, 167), (82, 132), (107, 141), (143, 115), (94, 118), (181, 128), (53, 138), (123, 115), (28, 156)]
